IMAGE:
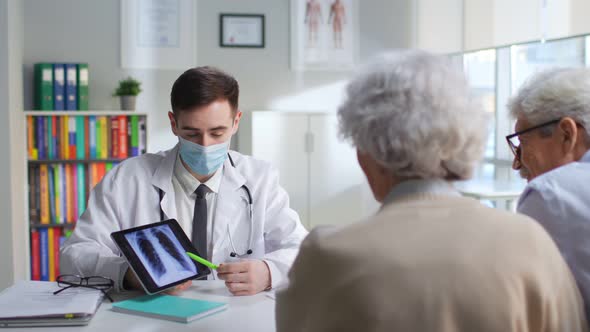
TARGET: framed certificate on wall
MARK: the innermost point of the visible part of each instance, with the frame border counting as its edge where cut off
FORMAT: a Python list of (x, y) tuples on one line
[(158, 34), (241, 30)]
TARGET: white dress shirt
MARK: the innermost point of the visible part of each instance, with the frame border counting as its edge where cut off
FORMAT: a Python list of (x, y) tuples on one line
[(560, 201), (185, 184)]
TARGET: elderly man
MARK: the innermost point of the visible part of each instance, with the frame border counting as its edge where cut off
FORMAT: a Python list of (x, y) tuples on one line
[(551, 146), (430, 260)]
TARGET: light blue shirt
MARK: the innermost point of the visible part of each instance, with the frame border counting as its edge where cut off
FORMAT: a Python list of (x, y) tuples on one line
[(560, 201)]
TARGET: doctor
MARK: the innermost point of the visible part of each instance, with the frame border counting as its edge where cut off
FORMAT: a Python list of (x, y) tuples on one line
[(230, 205)]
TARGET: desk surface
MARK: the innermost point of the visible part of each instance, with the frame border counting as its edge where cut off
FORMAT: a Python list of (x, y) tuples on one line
[(245, 313)]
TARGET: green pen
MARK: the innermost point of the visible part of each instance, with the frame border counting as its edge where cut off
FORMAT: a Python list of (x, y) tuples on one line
[(202, 260)]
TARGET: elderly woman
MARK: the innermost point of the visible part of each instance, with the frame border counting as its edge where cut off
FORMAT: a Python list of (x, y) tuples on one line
[(430, 260)]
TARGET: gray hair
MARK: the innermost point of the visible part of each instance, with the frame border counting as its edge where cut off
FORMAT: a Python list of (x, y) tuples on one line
[(412, 112), (554, 94)]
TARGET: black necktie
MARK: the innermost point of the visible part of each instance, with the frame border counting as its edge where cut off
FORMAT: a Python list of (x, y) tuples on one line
[(199, 236)]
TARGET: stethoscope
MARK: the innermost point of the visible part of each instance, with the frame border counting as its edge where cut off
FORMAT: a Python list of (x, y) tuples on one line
[(234, 252)]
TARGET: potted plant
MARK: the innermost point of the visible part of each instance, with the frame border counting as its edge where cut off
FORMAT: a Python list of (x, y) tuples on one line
[(127, 91)]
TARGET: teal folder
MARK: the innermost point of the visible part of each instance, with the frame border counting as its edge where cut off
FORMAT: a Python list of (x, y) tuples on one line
[(81, 189), (80, 136), (178, 309)]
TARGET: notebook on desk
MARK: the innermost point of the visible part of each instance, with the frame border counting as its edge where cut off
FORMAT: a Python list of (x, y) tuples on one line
[(32, 303), (168, 307)]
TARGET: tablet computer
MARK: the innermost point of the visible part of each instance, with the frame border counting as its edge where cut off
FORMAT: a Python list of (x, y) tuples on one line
[(157, 254)]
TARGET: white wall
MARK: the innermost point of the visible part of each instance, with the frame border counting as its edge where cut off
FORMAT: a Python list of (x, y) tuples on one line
[(13, 237), (439, 25), (515, 21), (579, 22), (5, 208), (479, 22), (491, 23), (526, 20), (18, 172), (88, 31), (454, 25)]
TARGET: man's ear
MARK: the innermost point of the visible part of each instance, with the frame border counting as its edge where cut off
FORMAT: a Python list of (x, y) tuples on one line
[(236, 123), (173, 125), (569, 134)]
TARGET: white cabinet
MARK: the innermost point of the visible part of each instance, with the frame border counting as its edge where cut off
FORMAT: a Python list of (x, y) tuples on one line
[(279, 138), (318, 170)]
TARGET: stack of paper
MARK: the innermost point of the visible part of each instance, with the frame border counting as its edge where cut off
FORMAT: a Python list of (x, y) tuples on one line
[(32, 303)]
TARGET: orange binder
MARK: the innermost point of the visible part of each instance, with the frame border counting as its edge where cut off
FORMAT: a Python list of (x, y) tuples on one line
[(44, 184)]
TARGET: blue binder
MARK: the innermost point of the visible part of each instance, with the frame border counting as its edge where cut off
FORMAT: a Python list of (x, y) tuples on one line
[(70, 87), (92, 136), (40, 139), (59, 80), (44, 248)]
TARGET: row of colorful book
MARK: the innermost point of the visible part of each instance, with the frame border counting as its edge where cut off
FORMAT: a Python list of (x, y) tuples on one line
[(45, 245), (58, 192), (61, 86), (85, 137)]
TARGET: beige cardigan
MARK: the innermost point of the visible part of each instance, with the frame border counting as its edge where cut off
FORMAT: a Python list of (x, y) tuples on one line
[(432, 263)]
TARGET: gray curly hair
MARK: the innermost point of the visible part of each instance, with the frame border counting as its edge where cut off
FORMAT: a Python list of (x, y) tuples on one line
[(412, 112), (554, 94)]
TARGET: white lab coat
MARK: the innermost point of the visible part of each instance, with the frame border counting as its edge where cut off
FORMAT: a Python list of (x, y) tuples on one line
[(128, 197)]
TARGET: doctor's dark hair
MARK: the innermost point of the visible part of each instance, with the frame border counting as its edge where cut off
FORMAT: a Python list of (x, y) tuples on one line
[(200, 86)]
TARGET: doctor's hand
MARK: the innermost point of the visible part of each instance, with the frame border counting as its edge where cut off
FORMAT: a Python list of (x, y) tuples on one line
[(179, 288), (246, 277)]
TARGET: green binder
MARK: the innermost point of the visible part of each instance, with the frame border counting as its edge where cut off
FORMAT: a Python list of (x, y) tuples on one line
[(134, 136), (43, 86), (98, 132), (82, 80)]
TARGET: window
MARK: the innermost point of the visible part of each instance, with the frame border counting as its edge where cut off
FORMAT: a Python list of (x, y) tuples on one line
[(480, 69), (496, 74), (531, 58)]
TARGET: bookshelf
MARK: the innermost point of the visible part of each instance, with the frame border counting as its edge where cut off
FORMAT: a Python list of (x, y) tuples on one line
[(68, 153)]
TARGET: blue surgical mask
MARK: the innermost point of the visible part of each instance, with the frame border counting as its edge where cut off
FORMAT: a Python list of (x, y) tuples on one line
[(203, 160)]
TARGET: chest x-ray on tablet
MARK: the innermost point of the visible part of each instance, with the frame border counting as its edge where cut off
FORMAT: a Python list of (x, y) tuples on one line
[(161, 254)]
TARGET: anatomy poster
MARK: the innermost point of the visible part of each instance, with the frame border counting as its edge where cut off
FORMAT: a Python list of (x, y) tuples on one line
[(324, 34), (161, 254)]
